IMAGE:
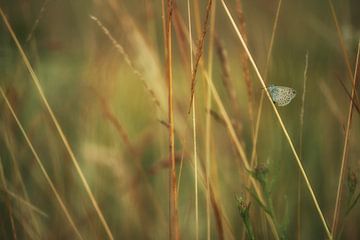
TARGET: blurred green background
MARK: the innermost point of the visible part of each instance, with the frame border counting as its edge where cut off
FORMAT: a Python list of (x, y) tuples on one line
[(118, 134)]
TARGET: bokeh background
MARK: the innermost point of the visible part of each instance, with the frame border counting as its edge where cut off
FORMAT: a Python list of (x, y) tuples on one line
[(114, 115)]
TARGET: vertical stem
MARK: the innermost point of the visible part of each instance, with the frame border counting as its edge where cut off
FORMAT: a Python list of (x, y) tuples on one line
[(173, 226), (301, 146), (194, 131), (345, 149), (208, 122)]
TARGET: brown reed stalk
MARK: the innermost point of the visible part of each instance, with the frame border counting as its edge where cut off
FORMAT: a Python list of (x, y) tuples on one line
[(43, 170), (199, 52), (280, 121), (173, 210), (344, 159), (58, 127)]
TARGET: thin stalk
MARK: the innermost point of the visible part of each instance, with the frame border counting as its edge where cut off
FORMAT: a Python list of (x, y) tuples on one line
[(345, 150), (280, 121), (208, 166), (199, 51), (301, 146), (174, 225), (194, 132)]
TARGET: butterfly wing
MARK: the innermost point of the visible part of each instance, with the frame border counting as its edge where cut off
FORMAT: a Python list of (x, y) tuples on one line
[(281, 96)]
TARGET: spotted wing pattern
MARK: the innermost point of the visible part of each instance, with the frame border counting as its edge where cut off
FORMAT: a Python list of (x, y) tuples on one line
[(280, 95)]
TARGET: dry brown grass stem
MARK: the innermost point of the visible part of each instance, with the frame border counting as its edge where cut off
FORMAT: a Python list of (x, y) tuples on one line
[(43, 170), (280, 121), (199, 52), (58, 127), (128, 61), (174, 232), (344, 159)]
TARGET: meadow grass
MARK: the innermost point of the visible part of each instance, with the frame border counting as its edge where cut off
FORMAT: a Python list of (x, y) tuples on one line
[(153, 120)]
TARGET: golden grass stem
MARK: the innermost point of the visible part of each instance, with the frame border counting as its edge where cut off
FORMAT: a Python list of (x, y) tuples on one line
[(194, 131), (43, 170), (280, 121), (195, 169), (58, 127), (173, 225), (208, 166), (345, 149)]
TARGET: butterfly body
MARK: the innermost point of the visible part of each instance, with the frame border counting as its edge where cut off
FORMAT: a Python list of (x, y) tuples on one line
[(280, 95)]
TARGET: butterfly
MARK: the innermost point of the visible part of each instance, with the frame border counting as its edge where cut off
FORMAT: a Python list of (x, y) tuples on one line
[(280, 95)]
